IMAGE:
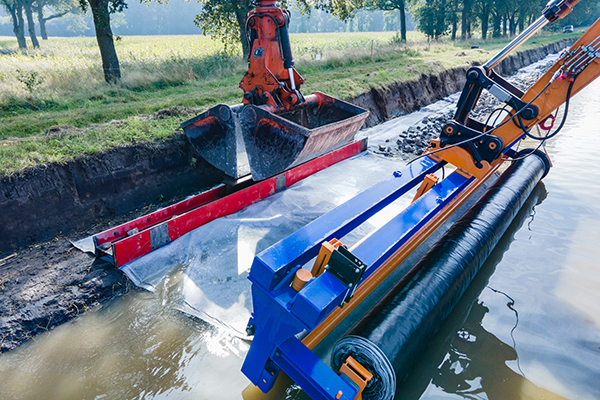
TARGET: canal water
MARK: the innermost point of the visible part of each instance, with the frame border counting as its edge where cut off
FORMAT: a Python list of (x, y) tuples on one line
[(528, 328)]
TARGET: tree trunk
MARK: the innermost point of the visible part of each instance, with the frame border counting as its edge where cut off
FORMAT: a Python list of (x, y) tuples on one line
[(485, 21), (464, 18), (41, 20), (521, 24), (403, 22), (497, 26), (21, 28), (31, 24), (512, 26), (104, 36), (454, 19), (16, 14), (454, 28), (241, 14)]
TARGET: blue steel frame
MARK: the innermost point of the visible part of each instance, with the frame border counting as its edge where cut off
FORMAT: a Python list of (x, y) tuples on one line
[(281, 314)]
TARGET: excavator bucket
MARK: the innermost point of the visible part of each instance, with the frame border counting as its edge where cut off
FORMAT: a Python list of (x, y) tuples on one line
[(216, 136), (274, 142)]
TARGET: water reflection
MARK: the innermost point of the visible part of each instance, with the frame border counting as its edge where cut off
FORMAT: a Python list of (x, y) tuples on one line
[(134, 349), (464, 358), (477, 364)]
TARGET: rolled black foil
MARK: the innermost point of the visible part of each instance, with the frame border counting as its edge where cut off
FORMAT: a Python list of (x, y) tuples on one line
[(389, 340)]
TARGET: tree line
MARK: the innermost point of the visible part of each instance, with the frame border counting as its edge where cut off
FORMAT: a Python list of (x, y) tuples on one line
[(34, 9), (490, 17), (363, 21), (225, 19)]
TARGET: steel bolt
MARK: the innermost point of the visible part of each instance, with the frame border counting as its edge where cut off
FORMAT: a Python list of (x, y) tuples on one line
[(473, 75)]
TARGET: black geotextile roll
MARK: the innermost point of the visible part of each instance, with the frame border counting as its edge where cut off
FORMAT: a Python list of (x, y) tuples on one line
[(389, 339)]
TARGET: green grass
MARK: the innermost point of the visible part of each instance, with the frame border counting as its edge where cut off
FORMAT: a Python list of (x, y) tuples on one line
[(67, 87), (65, 143)]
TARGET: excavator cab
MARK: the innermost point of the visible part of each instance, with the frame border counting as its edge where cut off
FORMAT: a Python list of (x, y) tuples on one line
[(276, 127)]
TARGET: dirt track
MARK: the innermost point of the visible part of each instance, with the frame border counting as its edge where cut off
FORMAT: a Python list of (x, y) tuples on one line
[(49, 284)]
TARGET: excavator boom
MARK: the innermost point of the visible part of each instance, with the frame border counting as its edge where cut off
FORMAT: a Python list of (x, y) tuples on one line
[(475, 147)]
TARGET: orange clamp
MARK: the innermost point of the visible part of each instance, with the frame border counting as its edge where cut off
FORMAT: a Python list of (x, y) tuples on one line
[(324, 254), (357, 373), (429, 182)]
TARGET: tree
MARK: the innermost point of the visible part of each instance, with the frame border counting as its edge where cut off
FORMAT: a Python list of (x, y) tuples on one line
[(225, 19), (15, 9), (27, 5), (101, 11), (62, 8), (432, 17), (484, 10), (467, 14), (392, 5), (454, 12)]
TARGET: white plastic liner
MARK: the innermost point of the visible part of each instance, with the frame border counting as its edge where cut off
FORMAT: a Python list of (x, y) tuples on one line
[(215, 258)]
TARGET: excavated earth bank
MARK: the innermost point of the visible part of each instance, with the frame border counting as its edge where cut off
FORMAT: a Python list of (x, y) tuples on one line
[(44, 281)]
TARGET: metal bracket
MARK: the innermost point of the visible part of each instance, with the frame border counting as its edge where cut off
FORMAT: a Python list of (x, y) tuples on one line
[(280, 182), (159, 236), (483, 147), (478, 79), (347, 268)]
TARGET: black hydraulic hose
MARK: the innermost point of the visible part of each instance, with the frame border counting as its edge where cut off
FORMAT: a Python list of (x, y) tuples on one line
[(562, 123), (284, 36), (390, 339), (513, 116)]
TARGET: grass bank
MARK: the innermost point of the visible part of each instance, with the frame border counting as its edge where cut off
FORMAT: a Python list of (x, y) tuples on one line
[(61, 84)]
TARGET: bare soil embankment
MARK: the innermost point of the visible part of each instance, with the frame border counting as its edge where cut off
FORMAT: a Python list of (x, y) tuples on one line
[(44, 281)]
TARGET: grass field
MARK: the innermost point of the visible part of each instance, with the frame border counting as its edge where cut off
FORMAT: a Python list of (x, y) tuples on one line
[(61, 84)]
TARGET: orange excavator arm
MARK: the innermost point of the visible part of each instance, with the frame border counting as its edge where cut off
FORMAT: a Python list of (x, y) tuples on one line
[(271, 78), (474, 147)]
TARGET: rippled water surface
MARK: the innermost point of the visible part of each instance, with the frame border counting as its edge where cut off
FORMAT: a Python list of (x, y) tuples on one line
[(528, 328)]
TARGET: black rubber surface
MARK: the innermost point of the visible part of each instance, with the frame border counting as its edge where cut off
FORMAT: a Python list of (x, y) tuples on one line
[(402, 325)]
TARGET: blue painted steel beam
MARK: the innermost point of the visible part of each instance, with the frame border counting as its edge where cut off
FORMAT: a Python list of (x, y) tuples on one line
[(273, 264), (280, 313), (312, 374), (384, 242), (321, 295)]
